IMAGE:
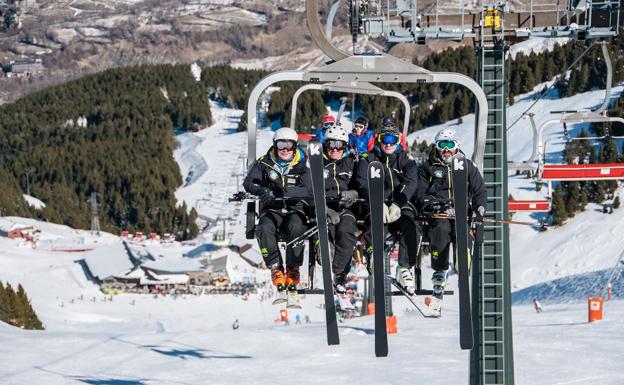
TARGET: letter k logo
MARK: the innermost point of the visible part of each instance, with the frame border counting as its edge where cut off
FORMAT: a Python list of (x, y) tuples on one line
[(458, 164), (375, 172), (315, 149)]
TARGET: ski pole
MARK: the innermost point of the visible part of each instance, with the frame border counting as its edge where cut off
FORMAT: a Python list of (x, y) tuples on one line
[(300, 239), (488, 220), (310, 232)]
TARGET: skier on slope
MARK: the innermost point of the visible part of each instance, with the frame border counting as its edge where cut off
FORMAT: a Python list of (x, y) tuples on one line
[(401, 183), (340, 192), (537, 305), (279, 174), (360, 136), (328, 121), (436, 198)]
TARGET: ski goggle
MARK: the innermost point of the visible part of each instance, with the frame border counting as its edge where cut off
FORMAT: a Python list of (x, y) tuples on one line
[(446, 144), (328, 124), (337, 145), (389, 139), (285, 145), (359, 126)]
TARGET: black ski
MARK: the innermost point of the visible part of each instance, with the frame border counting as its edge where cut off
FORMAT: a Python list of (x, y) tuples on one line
[(460, 204), (376, 202), (318, 189)]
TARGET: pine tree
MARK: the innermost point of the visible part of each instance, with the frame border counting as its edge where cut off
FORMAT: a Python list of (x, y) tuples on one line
[(583, 77), (12, 306), (608, 152), (3, 303), (573, 199), (558, 212), (599, 192), (29, 319), (616, 202), (584, 199)]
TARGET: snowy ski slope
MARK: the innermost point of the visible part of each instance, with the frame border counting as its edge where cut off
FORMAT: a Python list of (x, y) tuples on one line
[(142, 340)]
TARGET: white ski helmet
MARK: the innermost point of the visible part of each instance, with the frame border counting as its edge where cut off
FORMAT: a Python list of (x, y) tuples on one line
[(447, 134), (285, 133), (336, 133)]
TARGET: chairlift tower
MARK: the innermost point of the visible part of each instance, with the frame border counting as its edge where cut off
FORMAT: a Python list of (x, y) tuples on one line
[(491, 359), (95, 220)]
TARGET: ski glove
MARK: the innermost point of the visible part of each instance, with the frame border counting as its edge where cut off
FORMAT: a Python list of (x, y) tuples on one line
[(479, 214), (400, 199), (434, 205), (347, 198), (392, 213), (333, 216), (266, 196)]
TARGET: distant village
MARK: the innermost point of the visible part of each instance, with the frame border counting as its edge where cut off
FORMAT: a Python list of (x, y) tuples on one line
[(23, 69)]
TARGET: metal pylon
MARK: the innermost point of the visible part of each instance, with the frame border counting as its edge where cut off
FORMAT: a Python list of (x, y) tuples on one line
[(95, 221), (491, 360)]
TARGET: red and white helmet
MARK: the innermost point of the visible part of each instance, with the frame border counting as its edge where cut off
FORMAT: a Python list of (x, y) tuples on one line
[(329, 120)]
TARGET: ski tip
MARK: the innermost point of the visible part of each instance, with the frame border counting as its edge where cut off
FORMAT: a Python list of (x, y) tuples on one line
[(466, 345)]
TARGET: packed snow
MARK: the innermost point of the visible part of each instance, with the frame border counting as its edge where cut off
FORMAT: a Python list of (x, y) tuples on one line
[(536, 45), (188, 339), (34, 202)]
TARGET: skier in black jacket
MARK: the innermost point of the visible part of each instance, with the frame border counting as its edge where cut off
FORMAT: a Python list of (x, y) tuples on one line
[(437, 198), (401, 183), (340, 193), (276, 178)]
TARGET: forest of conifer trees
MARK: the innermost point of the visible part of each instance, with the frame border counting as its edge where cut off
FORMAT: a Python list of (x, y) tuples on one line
[(16, 310), (125, 153)]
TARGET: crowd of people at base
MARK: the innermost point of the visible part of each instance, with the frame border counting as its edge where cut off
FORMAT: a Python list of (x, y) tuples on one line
[(237, 288), (414, 194)]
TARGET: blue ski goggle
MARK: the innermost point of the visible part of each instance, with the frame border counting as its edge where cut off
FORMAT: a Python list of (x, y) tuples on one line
[(446, 144), (389, 139), (328, 124)]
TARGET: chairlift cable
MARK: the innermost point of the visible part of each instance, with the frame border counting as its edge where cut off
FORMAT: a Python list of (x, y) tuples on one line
[(543, 93)]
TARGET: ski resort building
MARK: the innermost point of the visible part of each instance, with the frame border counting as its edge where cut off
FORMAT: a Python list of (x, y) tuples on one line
[(14, 230), (125, 267)]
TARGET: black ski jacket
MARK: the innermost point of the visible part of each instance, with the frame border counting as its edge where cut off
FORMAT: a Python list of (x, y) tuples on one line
[(339, 176), (436, 176), (401, 176), (289, 181)]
